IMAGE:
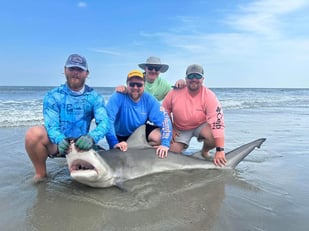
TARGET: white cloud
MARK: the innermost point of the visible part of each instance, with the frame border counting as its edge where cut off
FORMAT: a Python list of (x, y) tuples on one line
[(264, 16), (257, 48), (109, 52), (258, 45), (82, 4)]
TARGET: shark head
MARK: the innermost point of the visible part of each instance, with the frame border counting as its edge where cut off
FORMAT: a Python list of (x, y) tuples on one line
[(88, 167)]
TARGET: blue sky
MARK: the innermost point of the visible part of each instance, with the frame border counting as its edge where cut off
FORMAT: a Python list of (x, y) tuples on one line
[(240, 43)]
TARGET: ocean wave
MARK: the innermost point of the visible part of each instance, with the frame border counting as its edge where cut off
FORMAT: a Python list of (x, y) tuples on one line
[(25, 109), (16, 113)]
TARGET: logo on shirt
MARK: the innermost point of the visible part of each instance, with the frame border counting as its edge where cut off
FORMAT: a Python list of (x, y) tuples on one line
[(218, 123)]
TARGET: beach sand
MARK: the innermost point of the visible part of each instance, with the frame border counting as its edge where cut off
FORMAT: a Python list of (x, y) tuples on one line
[(267, 191)]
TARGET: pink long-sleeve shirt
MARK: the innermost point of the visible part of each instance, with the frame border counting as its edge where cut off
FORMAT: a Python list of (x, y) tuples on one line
[(188, 112)]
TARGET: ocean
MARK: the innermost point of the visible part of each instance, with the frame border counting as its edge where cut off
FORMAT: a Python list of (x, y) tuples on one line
[(266, 191)]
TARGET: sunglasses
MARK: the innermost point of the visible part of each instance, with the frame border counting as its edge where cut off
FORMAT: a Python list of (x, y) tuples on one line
[(132, 84), (75, 69), (194, 76), (156, 68)]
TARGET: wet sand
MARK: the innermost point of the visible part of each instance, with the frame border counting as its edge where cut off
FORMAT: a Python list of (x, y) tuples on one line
[(267, 191)]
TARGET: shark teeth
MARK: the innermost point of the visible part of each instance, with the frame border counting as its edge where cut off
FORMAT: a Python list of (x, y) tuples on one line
[(78, 165)]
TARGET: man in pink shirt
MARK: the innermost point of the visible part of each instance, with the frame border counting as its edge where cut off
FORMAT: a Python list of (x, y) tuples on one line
[(196, 111)]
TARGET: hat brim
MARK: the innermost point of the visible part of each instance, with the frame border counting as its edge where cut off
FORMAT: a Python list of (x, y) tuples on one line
[(80, 66), (195, 72), (163, 67)]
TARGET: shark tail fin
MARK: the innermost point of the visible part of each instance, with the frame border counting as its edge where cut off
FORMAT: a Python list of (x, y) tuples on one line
[(238, 154)]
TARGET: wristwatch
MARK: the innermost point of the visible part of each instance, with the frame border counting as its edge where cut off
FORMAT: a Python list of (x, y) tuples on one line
[(219, 149)]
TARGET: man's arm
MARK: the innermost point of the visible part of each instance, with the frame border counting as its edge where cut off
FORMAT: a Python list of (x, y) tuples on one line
[(51, 114), (101, 119)]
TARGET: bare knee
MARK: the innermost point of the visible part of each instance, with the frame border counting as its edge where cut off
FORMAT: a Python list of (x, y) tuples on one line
[(177, 147), (35, 134), (207, 135), (154, 137)]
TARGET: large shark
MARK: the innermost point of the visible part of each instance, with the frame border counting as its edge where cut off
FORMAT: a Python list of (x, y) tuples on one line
[(113, 167)]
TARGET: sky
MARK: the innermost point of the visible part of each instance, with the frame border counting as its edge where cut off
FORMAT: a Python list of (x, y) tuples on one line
[(240, 43)]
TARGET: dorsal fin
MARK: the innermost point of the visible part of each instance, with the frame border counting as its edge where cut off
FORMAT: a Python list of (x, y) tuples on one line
[(138, 138)]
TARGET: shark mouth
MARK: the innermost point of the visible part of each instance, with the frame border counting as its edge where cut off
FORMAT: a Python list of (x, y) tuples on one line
[(81, 165), (83, 171)]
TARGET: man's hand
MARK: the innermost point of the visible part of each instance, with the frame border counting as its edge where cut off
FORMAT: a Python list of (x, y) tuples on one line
[(123, 146), (162, 151), (84, 143), (220, 159), (63, 147), (180, 83), (121, 89)]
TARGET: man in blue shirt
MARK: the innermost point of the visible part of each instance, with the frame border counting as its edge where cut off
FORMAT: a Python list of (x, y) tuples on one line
[(68, 111), (129, 111)]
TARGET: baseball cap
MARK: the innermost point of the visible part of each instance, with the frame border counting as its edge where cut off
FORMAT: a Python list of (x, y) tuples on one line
[(195, 69), (135, 73), (76, 60)]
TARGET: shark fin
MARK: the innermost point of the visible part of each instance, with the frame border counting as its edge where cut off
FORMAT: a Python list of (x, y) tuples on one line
[(120, 185)]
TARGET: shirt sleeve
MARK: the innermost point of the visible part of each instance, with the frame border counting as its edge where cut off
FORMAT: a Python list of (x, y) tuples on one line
[(160, 118), (101, 119), (51, 114), (166, 130), (113, 107), (215, 116)]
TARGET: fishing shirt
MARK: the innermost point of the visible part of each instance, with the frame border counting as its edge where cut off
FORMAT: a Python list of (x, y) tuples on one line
[(126, 116), (68, 114), (189, 112), (159, 88)]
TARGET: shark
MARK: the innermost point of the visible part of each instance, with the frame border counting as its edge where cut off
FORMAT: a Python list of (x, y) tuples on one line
[(102, 169)]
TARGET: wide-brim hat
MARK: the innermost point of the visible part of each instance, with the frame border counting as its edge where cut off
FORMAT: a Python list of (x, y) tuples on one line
[(155, 61)]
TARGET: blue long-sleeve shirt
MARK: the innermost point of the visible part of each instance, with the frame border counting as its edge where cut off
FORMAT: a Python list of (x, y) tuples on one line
[(126, 116), (69, 115)]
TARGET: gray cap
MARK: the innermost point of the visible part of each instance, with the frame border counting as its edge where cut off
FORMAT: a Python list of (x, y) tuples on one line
[(76, 60), (156, 62), (195, 69)]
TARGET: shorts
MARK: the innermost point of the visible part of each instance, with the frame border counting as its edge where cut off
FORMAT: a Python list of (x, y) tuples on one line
[(186, 136), (148, 129)]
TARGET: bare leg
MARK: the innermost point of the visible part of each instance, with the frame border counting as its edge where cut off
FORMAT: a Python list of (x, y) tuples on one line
[(38, 147), (209, 141), (154, 138), (177, 147)]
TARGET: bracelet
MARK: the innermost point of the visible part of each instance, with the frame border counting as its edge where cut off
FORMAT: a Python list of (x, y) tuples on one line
[(219, 149)]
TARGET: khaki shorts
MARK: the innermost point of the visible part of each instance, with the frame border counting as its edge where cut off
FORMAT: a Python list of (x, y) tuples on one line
[(186, 136)]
